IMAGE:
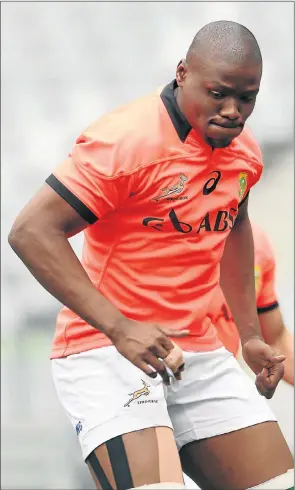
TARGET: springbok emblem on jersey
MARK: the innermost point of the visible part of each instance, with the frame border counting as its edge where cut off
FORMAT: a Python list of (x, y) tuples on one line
[(173, 188), (243, 180), (138, 393)]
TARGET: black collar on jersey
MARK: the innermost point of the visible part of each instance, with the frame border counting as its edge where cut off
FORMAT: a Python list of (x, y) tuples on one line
[(178, 119)]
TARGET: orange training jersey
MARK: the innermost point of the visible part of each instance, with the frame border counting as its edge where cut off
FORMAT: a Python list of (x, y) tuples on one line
[(265, 293), (160, 204)]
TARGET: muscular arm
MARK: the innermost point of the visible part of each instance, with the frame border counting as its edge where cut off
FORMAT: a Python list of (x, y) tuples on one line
[(279, 338), (237, 278), (39, 237)]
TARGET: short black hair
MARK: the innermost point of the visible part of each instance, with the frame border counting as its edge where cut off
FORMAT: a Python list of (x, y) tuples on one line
[(225, 39)]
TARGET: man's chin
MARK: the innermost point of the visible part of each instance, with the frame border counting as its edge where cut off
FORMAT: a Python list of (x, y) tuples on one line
[(218, 143)]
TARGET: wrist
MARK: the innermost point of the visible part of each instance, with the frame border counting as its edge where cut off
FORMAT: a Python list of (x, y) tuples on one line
[(246, 338), (250, 331), (115, 325)]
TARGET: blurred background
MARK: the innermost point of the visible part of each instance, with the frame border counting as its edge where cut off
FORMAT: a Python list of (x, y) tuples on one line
[(64, 65)]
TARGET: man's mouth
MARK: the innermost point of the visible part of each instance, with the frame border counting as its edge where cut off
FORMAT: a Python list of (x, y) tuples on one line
[(227, 125), (217, 130)]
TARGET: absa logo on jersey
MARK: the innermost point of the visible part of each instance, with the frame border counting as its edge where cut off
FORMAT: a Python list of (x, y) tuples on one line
[(223, 220)]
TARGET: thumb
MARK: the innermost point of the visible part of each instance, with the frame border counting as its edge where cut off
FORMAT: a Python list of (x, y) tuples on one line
[(175, 333), (277, 359), (263, 374)]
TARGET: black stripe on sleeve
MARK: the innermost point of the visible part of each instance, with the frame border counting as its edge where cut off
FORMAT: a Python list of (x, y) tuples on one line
[(264, 309), (71, 199), (244, 199), (119, 462), (98, 470)]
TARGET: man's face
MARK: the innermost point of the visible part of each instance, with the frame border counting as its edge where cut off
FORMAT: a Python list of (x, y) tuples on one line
[(217, 97)]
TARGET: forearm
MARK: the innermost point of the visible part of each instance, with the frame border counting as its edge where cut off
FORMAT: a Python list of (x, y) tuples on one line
[(51, 259), (237, 279), (284, 344)]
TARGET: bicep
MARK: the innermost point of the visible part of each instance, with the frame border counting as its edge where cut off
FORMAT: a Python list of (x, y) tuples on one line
[(47, 210)]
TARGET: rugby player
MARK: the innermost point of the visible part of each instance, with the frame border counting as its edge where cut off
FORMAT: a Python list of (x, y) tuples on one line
[(160, 188)]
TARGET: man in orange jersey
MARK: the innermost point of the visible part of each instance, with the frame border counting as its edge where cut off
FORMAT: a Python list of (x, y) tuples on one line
[(272, 325), (160, 188)]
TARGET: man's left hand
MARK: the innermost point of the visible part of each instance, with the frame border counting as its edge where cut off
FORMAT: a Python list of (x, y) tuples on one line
[(265, 363)]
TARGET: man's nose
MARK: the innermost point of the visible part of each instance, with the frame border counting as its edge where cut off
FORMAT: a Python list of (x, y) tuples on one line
[(230, 109)]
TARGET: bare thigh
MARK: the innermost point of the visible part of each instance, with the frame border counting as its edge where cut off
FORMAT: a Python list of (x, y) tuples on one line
[(238, 460), (139, 458)]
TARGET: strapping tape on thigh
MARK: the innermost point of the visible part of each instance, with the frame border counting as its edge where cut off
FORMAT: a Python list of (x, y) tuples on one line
[(281, 482), (162, 486)]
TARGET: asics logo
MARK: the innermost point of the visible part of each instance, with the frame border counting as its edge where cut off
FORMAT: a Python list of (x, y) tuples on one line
[(211, 184)]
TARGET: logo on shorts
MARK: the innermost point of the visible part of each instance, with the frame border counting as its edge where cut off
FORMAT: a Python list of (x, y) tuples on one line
[(78, 428), (172, 189), (243, 180), (138, 393)]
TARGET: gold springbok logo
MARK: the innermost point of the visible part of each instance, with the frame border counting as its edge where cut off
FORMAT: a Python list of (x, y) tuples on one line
[(138, 393), (171, 189)]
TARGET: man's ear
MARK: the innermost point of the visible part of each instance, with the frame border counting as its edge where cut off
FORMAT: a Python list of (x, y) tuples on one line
[(181, 72)]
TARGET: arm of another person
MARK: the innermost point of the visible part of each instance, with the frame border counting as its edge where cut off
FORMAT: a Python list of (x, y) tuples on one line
[(238, 285), (276, 334)]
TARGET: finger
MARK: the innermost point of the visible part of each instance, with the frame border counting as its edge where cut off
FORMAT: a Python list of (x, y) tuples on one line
[(159, 351), (181, 368), (175, 333), (263, 390), (272, 374), (264, 373), (175, 359), (259, 389), (146, 368), (159, 366), (166, 344), (277, 359), (178, 373), (267, 382)]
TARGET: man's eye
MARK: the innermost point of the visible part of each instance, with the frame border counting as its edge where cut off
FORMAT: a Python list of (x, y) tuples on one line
[(247, 98), (215, 94)]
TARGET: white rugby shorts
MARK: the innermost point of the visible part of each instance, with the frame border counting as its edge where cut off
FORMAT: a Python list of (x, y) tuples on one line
[(106, 396)]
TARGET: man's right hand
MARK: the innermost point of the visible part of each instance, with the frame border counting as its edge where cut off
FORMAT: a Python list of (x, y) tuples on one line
[(146, 345)]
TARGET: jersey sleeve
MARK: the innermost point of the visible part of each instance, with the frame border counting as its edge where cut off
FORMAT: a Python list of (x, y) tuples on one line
[(267, 298), (93, 179)]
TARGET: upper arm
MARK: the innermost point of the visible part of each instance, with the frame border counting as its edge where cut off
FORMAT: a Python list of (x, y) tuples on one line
[(48, 211), (242, 211), (89, 184)]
